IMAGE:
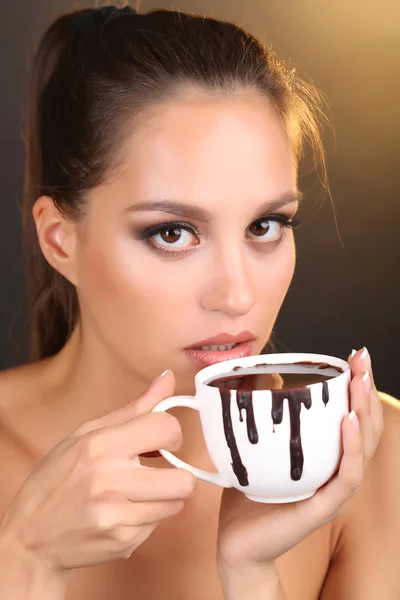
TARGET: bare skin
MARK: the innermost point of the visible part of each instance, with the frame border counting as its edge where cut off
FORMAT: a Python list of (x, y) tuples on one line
[(186, 543), (140, 309)]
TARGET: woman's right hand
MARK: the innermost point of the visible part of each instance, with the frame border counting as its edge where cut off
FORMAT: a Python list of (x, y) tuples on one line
[(89, 500)]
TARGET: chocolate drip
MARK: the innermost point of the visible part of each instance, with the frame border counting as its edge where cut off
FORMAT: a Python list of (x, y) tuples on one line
[(295, 399), (238, 467), (244, 387), (325, 393), (245, 401), (278, 397)]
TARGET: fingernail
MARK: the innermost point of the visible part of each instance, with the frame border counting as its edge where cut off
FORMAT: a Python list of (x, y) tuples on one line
[(365, 378), (353, 353), (165, 372), (354, 421), (364, 353)]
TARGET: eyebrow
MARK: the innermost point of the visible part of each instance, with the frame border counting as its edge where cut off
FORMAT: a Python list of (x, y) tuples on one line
[(198, 213)]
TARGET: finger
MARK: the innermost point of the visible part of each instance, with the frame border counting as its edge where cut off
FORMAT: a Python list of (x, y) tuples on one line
[(112, 516), (330, 498), (145, 485), (376, 407), (351, 356), (133, 437), (165, 387), (361, 362), (360, 395), (161, 388), (162, 484), (360, 402), (146, 513)]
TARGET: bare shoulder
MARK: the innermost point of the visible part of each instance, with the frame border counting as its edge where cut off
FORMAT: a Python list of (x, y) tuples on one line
[(20, 390), (17, 389), (375, 506), (385, 465), (391, 409), (382, 480), (365, 560)]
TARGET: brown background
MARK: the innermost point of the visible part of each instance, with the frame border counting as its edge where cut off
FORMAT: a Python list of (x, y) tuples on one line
[(343, 295)]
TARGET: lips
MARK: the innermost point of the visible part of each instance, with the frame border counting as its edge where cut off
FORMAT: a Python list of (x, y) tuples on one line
[(213, 350), (205, 358), (223, 339)]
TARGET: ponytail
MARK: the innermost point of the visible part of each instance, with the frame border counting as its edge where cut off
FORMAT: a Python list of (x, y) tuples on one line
[(52, 300)]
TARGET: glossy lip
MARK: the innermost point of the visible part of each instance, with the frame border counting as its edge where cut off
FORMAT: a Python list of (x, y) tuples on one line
[(222, 339), (205, 358)]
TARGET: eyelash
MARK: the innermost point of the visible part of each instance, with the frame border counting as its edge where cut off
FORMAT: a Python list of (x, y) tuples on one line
[(150, 232)]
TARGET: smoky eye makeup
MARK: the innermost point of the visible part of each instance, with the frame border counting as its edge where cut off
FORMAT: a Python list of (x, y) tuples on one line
[(167, 226), (175, 238)]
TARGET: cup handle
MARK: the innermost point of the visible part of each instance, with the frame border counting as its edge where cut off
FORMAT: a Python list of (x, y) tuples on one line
[(189, 402)]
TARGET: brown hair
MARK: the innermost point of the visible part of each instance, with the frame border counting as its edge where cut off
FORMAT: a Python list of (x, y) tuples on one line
[(94, 71)]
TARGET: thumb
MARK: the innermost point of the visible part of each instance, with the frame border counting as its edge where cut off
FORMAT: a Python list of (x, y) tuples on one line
[(161, 388)]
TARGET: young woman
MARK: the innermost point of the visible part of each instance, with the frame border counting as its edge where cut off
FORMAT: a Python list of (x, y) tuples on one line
[(160, 201)]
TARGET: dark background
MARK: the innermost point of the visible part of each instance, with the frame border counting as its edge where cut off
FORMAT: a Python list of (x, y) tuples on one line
[(345, 293)]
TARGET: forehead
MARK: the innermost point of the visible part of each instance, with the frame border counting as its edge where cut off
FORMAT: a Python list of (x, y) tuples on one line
[(210, 149)]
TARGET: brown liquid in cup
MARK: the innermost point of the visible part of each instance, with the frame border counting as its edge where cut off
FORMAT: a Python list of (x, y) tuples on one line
[(294, 390), (263, 381)]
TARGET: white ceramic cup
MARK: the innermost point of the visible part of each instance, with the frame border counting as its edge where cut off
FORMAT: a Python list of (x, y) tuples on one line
[(265, 467)]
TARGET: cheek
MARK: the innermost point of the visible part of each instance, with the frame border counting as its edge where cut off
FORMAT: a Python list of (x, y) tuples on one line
[(277, 277), (128, 293), (285, 272)]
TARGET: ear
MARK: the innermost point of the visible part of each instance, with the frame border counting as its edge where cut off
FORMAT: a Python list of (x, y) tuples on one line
[(57, 237)]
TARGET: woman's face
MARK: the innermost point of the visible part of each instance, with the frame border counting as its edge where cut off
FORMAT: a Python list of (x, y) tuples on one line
[(218, 264)]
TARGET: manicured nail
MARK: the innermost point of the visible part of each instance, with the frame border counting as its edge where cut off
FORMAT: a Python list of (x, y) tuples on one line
[(367, 381), (162, 374), (354, 421), (353, 353), (364, 353)]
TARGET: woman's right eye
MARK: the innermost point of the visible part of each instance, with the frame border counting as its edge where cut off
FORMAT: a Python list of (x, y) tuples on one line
[(171, 238), (176, 236)]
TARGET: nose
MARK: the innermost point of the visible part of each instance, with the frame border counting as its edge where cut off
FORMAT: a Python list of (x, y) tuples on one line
[(229, 287)]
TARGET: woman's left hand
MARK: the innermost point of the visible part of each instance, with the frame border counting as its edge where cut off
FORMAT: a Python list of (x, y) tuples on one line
[(252, 534)]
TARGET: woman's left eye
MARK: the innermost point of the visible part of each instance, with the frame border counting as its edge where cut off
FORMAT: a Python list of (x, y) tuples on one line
[(270, 229)]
